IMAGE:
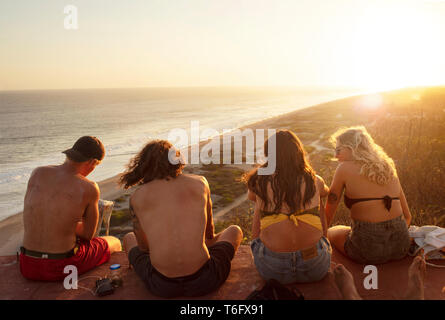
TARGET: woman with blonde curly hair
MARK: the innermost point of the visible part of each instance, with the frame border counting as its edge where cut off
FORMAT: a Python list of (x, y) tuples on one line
[(379, 211)]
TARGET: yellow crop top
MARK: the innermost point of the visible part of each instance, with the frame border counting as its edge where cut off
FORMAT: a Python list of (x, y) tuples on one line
[(309, 216)]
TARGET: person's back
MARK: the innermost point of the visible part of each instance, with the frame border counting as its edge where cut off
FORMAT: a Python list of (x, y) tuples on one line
[(372, 192), (60, 216), (285, 236), (289, 225), (173, 215), (173, 248), (54, 204), (359, 187)]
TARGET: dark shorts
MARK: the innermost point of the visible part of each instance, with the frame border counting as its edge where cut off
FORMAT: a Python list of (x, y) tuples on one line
[(207, 279), (378, 242), (89, 255)]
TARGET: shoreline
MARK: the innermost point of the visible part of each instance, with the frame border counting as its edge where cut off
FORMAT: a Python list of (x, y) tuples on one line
[(11, 228), (312, 124)]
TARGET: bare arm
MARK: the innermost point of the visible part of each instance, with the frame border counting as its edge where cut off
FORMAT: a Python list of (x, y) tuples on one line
[(139, 233), (334, 196), (323, 219), (251, 196), (87, 227), (256, 221), (322, 187), (210, 227), (405, 208), (323, 190)]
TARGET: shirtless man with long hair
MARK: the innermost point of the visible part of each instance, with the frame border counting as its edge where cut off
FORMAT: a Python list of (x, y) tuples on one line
[(173, 248)]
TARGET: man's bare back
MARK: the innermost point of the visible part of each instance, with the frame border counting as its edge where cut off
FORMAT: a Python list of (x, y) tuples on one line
[(56, 202), (61, 214), (176, 217), (173, 248)]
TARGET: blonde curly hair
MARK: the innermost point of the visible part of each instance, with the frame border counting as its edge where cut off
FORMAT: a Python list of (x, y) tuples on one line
[(376, 165)]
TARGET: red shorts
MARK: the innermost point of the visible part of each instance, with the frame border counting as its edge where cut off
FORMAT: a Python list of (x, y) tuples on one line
[(89, 254)]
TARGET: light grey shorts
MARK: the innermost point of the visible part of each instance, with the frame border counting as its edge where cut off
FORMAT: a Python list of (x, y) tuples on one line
[(307, 265)]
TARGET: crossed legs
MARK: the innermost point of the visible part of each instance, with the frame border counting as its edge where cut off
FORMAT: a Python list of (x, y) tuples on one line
[(232, 234), (337, 237)]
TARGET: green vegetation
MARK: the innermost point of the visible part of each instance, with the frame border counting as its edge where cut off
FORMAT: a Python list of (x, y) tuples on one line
[(241, 216), (409, 126), (119, 217), (121, 199), (224, 181)]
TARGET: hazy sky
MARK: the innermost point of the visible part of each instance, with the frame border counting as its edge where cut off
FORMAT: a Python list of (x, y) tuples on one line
[(372, 44)]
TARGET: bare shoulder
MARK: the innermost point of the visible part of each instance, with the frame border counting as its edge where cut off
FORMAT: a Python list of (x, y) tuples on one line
[(347, 167), (199, 179), (42, 171), (41, 174), (89, 186), (198, 183)]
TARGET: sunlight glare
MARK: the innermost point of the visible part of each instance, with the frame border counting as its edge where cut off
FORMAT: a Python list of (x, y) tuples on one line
[(371, 101)]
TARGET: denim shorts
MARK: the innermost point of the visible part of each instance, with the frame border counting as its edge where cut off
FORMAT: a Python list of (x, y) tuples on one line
[(378, 242), (289, 267)]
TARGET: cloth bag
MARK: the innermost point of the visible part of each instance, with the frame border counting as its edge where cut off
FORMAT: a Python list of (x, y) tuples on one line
[(431, 239)]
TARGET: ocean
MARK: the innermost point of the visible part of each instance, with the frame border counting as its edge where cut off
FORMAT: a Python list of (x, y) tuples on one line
[(36, 126)]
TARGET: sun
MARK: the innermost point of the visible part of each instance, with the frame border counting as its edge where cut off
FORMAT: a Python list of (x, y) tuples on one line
[(393, 48)]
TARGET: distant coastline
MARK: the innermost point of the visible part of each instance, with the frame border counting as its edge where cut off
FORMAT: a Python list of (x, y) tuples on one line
[(313, 125), (37, 125)]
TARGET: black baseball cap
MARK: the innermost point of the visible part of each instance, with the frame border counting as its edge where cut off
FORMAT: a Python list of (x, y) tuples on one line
[(86, 148)]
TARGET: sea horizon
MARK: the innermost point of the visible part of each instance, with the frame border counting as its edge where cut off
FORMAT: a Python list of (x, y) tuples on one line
[(37, 125)]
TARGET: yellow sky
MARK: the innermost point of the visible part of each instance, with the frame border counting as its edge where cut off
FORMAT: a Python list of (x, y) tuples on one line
[(371, 44)]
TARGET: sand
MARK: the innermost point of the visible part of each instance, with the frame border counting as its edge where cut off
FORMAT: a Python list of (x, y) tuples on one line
[(11, 229)]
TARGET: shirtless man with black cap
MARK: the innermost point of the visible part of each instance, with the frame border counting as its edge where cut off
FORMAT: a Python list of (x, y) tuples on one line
[(61, 215)]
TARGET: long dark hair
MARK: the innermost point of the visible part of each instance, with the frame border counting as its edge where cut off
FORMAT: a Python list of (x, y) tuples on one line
[(292, 168), (151, 163)]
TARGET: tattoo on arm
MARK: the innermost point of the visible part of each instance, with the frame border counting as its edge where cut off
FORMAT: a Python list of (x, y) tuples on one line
[(332, 198)]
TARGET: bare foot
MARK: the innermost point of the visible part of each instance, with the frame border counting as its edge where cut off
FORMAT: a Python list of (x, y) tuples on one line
[(129, 242), (345, 283), (416, 276)]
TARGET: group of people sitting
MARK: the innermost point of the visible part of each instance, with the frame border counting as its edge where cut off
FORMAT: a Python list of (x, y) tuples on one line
[(174, 248)]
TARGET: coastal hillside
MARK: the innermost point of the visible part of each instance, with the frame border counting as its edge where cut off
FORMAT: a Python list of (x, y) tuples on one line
[(409, 124)]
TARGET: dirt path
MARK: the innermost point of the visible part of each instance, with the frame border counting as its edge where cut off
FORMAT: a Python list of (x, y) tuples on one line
[(316, 144), (238, 201)]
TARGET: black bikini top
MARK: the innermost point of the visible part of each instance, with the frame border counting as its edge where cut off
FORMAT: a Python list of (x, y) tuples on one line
[(386, 199)]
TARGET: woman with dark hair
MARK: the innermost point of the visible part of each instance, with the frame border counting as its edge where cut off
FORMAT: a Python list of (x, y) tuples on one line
[(289, 224), (173, 248)]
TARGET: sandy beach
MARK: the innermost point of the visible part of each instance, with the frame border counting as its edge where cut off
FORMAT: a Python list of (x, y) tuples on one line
[(313, 125), (11, 228)]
